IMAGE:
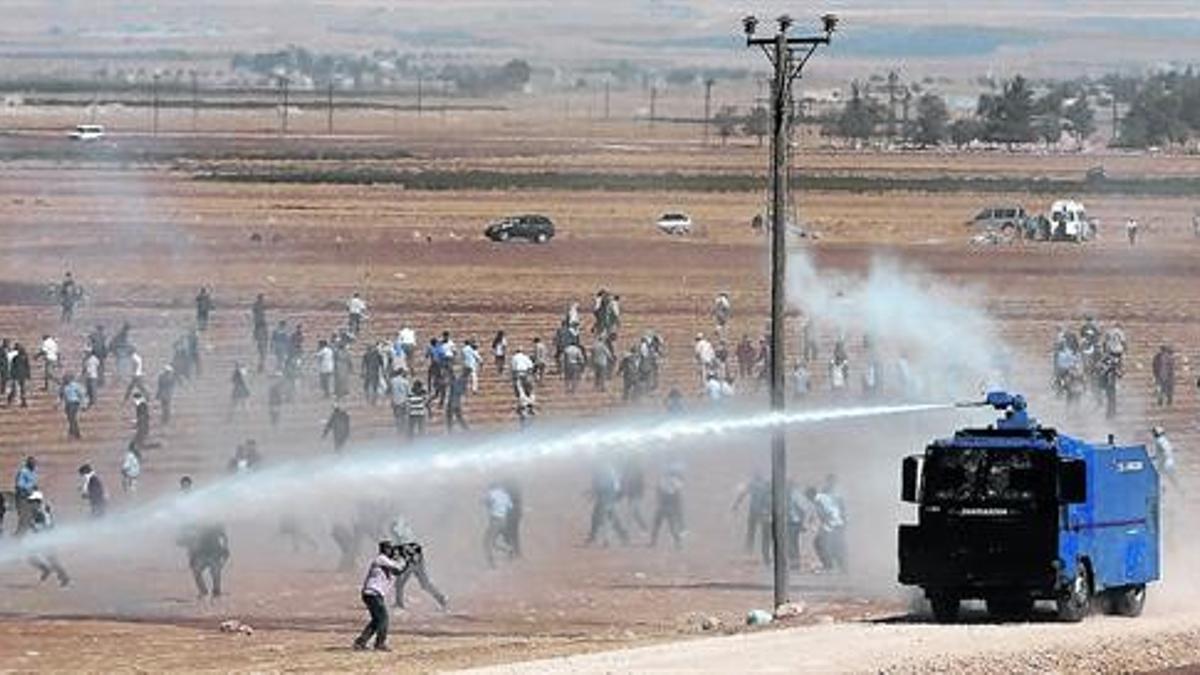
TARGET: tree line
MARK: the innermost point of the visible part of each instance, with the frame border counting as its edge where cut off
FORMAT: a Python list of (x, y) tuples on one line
[(1157, 110)]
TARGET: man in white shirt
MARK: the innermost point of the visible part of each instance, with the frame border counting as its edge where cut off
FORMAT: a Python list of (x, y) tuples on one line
[(407, 338), (472, 362), (499, 504), (137, 374), (48, 353), (91, 376), (356, 307), (522, 368), (325, 368), (706, 356)]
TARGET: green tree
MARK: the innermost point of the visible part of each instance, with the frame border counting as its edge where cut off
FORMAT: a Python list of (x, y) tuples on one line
[(932, 117), (860, 115), (965, 130), (726, 121), (1080, 119), (1154, 117), (1008, 116), (757, 123)]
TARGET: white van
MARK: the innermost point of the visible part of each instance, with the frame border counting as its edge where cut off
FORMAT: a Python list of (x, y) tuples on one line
[(88, 132), (1069, 221)]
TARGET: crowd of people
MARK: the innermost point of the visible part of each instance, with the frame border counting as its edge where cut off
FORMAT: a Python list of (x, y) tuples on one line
[(436, 380)]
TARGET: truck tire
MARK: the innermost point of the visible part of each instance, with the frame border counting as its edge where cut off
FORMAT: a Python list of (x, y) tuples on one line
[(1075, 601), (540, 238), (945, 607), (503, 236), (1128, 600), (1010, 608)]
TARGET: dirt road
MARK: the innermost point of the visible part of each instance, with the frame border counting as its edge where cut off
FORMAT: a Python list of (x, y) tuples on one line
[(1101, 644)]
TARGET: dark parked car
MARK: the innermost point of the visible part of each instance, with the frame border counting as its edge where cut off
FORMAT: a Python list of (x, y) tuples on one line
[(529, 227)]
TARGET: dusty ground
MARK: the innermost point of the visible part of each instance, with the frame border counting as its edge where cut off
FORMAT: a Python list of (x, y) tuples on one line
[(142, 238)]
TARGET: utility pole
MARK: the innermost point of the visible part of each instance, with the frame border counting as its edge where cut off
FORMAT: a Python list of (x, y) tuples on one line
[(708, 85), (195, 101), (607, 99), (892, 80), (154, 105), (788, 55), (420, 87), (283, 90), (329, 107), (653, 103)]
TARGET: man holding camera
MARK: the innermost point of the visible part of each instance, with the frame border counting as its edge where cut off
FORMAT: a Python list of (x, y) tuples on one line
[(380, 581)]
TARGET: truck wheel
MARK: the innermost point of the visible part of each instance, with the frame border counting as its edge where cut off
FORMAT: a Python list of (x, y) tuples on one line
[(1010, 608), (540, 238), (1075, 601), (945, 607), (1128, 601)]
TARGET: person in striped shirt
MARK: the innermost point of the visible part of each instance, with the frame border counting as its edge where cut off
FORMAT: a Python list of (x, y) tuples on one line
[(418, 409)]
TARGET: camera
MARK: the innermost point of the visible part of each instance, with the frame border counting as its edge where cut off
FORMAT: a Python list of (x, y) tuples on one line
[(410, 551)]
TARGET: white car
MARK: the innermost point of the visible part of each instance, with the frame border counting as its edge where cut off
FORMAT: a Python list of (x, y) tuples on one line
[(87, 132), (675, 223)]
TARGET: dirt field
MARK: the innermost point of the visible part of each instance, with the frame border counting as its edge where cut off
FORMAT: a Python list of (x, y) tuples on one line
[(143, 237)]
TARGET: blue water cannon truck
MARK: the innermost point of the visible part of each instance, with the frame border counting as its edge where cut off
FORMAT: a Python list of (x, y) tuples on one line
[(1017, 512)]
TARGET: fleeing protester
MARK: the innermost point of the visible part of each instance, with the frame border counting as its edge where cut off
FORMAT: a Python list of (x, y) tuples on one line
[(204, 308), (669, 509), (207, 549), (472, 362), (97, 342), (325, 368), (19, 373), (338, 425), (757, 495), (1131, 231), (91, 377), (131, 469), (602, 364), (92, 491), (540, 356), (24, 485), (240, 395), (48, 354), (498, 504), (1163, 367), (573, 363), (522, 373), (830, 542), (398, 389), (261, 332), (633, 489), (377, 587), (512, 532), (137, 374), (281, 345), (413, 555), (164, 393), (41, 519), (277, 395), (500, 351), (70, 294), (722, 311), (605, 492), (356, 309), (417, 406), (141, 421), (5, 365), (457, 391), (72, 395)]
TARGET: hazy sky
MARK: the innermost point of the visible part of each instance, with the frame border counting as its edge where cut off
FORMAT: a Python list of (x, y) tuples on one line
[(982, 35)]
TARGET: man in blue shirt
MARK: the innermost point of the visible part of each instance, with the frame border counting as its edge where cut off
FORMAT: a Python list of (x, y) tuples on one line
[(26, 484), (73, 395)]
